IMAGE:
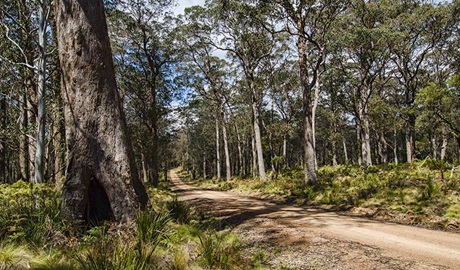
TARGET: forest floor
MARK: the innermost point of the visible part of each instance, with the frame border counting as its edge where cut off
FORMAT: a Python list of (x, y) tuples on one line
[(291, 237)]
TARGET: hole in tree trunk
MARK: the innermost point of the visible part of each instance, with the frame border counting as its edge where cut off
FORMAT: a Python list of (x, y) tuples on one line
[(99, 208)]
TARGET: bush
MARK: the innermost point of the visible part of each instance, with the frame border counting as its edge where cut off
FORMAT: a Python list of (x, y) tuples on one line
[(219, 251), (116, 254), (179, 211), (152, 228)]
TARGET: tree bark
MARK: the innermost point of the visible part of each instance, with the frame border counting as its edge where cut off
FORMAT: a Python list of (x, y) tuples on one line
[(101, 179), (364, 133), (444, 143), (395, 145), (308, 136), (258, 139), (219, 176), (24, 141), (345, 152), (434, 146), (313, 115), (410, 139), (41, 95), (59, 138), (382, 148), (254, 154), (240, 153), (228, 172), (3, 174)]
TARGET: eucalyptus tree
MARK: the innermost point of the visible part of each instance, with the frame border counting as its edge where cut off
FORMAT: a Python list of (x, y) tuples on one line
[(239, 29), (19, 30), (144, 38), (211, 77), (44, 11), (442, 102), (365, 56), (101, 178), (311, 22), (418, 27), (287, 101)]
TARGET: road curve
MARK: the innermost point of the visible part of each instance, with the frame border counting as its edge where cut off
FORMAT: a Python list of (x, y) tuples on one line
[(436, 249)]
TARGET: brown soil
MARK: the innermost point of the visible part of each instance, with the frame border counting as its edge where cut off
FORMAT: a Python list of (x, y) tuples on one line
[(309, 238)]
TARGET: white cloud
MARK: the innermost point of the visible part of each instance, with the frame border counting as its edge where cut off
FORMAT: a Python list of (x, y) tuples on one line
[(182, 4)]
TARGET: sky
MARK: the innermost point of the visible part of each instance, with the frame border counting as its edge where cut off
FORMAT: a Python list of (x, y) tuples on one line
[(182, 4)]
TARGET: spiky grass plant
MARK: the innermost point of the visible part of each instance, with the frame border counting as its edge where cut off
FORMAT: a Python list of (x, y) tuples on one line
[(179, 211), (14, 257)]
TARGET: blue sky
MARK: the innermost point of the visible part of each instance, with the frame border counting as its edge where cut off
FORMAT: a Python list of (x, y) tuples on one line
[(182, 4)]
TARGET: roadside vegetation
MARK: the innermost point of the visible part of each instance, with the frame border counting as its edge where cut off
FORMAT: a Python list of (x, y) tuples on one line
[(168, 235), (424, 193)]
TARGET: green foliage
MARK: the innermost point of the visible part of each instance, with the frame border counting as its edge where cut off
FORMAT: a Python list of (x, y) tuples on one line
[(33, 236), (179, 211), (115, 254), (219, 251), (30, 215), (152, 228)]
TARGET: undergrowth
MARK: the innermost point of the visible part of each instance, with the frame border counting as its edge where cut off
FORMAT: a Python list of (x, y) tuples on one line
[(168, 235)]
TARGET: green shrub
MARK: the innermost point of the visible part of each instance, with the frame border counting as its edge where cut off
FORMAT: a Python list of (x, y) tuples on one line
[(430, 190), (31, 215), (152, 228), (219, 251), (116, 254), (179, 211)]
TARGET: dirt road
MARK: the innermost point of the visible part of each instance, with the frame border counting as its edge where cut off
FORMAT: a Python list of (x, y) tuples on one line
[(307, 238)]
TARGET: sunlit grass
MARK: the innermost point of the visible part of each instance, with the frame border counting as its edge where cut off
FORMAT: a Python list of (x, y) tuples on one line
[(165, 236), (425, 188)]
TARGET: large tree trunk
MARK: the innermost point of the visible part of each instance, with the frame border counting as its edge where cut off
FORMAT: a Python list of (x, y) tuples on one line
[(101, 178), (59, 138), (308, 131)]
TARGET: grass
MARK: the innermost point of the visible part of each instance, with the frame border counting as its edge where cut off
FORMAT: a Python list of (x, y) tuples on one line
[(168, 235), (422, 193)]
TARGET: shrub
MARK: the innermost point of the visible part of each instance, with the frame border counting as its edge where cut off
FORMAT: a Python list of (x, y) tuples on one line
[(152, 228), (219, 251), (116, 254), (179, 211)]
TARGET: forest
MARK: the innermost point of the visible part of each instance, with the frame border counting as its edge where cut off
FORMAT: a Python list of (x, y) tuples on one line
[(345, 103)]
